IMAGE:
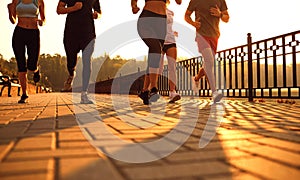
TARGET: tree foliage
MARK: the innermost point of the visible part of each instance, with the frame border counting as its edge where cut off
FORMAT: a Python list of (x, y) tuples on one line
[(54, 72)]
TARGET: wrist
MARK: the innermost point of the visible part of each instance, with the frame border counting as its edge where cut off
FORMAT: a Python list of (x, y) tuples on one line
[(221, 15)]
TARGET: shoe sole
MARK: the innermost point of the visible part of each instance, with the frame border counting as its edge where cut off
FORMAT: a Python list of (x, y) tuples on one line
[(218, 98), (22, 102), (154, 98), (86, 102), (63, 90), (176, 98)]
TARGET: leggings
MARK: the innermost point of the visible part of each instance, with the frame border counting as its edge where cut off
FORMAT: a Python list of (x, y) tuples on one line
[(152, 29), (21, 39), (72, 48), (86, 63)]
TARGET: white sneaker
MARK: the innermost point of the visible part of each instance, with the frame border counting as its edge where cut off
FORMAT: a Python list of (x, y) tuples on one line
[(85, 99), (217, 96), (68, 84), (174, 97), (195, 85)]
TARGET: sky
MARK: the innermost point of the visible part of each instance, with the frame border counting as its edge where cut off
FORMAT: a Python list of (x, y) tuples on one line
[(261, 18)]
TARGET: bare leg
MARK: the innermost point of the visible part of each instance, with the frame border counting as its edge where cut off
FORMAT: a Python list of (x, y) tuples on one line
[(86, 62), (153, 77), (208, 56), (172, 56), (146, 83), (161, 66), (200, 74)]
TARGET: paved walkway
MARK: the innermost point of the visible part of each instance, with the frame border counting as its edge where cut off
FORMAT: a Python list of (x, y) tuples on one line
[(118, 138)]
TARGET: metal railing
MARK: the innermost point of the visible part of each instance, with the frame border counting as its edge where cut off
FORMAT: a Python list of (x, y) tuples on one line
[(269, 68)]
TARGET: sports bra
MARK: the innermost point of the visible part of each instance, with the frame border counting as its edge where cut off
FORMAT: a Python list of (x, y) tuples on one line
[(157, 0), (27, 10)]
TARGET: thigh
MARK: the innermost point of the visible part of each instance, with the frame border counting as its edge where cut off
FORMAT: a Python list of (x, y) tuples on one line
[(18, 45), (33, 49), (171, 53), (204, 42), (72, 49)]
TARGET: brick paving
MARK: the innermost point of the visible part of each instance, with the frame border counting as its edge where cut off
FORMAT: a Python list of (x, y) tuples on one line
[(53, 138)]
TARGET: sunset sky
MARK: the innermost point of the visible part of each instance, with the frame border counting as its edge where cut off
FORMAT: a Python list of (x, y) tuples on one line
[(262, 18)]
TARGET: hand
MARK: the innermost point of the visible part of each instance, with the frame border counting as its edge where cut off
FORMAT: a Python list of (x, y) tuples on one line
[(197, 24), (96, 15), (40, 22), (135, 10), (215, 11), (175, 33), (77, 6)]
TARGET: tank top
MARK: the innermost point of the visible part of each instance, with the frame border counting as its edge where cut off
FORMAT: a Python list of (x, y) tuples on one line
[(170, 37), (27, 10)]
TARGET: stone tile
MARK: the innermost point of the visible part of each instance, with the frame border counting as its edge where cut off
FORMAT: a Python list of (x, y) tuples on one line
[(23, 167), (292, 146), (274, 154), (253, 141), (32, 143), (266, 169), (46, 154), (200, 155), (178, 170), (87, 168)]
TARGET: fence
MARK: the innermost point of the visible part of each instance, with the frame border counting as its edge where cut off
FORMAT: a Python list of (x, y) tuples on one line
[(262, 69)]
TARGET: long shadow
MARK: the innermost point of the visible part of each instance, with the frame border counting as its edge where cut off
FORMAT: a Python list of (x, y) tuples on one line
[(187, 161)]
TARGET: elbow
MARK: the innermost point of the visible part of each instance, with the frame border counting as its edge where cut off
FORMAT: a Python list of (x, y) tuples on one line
[(186, 18)]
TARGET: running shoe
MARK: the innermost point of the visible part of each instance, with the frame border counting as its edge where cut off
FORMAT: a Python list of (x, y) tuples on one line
[(23, 99), (174, 97)]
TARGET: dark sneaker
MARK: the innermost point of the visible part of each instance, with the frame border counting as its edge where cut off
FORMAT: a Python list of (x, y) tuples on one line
[(145, 97), (23, 99), (153, 96), (36, 76), (68, 84), (174, 97)]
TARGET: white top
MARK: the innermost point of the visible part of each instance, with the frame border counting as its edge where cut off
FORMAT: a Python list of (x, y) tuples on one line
[(170, 37)]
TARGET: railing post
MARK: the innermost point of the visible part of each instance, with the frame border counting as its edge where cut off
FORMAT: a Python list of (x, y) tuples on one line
[(250, 69)]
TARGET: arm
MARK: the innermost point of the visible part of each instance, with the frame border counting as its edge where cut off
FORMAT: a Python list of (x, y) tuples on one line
[(62, 9), (97, 10), (134, 7), (223, 15), (41, 21), (188, 19), (12, 11)]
